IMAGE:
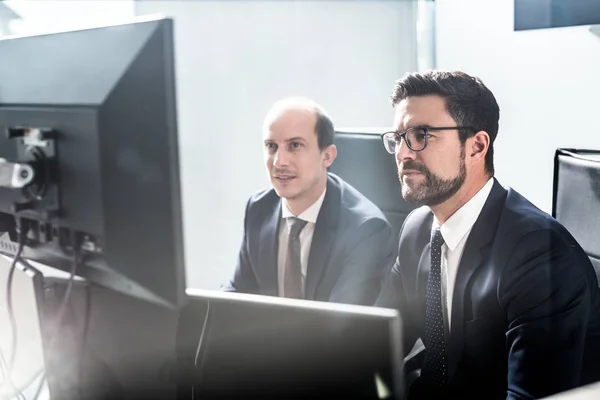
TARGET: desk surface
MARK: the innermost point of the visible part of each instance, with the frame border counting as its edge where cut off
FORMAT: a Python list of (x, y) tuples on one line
[(589, 392)]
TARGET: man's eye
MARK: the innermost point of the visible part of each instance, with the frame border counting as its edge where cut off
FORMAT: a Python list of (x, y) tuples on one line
[(295, 145), (271, 146)]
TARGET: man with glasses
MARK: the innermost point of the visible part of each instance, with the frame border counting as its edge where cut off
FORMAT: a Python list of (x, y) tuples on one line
[(504, 299), (312, 236)]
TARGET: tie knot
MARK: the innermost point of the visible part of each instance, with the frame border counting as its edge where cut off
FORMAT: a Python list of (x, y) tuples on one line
[(296, 226), (437, 240)]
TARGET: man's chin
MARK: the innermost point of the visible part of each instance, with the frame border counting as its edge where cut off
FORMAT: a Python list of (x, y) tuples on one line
[(284, 192), (410, 196)]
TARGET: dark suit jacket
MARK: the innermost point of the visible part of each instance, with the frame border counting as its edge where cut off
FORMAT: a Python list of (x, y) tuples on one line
[(525, 309), (351, 253)]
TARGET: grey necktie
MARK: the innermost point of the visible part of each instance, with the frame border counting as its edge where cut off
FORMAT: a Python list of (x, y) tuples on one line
[(292, 275)]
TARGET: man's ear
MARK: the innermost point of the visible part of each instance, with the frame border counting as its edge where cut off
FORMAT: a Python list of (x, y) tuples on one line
[(480, 143), (329, 154)]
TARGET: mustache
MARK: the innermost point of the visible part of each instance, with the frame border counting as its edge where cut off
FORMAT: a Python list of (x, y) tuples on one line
[(410, 165), (281, 171)]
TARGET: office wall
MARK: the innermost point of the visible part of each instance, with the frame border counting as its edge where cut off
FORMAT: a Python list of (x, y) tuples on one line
[(234, 59), (547, 83), (56, 15)]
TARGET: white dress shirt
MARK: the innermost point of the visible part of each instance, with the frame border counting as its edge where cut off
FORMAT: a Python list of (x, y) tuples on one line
[(310, 215), (455, 232)]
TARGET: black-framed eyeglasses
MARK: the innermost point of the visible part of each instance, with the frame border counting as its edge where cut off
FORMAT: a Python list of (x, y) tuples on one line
[(415, 138)]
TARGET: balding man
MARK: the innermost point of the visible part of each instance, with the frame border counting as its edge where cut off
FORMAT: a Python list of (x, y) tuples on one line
[(312, 235)]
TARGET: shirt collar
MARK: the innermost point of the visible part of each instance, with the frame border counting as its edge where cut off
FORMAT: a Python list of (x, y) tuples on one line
[(310, 214), (461, 222)]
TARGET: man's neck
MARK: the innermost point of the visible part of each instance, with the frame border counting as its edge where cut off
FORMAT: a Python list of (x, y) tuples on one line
[(445, 210), (298, 205)]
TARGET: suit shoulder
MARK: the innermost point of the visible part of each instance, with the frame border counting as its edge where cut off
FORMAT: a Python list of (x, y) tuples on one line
[(525, 226), (262, 200), (523, 216), (416, 228), (417, 217), (261, 195)]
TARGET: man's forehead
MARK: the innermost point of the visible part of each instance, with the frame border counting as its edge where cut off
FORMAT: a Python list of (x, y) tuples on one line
[(419, 110), (291, 121), (290, 115)]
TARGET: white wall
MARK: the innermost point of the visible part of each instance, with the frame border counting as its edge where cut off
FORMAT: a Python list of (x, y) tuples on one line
[(234, 59), (547, 84), (57, 15)]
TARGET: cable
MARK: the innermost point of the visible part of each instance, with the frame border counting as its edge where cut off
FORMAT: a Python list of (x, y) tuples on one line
[(3, 370), (202, 333), (39, 372), (19, 390), (65, 300), (28, 383), (197, 357), (40, 386), (9, 303), (63, 306), (3, 366), (7, 378), (86, 326), (24, 229)]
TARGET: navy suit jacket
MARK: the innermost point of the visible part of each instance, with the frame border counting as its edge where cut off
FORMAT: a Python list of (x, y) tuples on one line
[(352, 249), (525, 308)]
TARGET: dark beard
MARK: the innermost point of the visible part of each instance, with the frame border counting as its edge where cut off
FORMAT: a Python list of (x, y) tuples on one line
[(434, 190)]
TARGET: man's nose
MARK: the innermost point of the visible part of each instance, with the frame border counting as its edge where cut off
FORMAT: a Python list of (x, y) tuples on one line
[(403, 152), (280, 159)]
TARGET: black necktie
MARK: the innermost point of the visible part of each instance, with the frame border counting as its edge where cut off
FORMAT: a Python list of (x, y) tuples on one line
[(435, 367), (292, 277)]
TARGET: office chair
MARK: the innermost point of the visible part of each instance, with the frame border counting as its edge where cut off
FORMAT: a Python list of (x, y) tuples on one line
[(363, 162), (576, 198)]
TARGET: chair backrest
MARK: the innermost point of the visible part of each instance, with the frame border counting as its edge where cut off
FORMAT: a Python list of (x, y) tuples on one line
[(576, 198), (363, 162)]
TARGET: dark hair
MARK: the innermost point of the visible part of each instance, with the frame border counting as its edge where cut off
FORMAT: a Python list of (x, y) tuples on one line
[(324, 128), (468, 101)]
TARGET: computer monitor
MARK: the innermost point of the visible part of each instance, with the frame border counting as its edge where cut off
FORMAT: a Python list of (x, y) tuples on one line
[(88, 138), (235, 346)]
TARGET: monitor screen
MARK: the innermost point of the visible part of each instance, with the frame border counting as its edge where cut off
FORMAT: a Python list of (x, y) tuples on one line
[(89, 165), (250, 346)]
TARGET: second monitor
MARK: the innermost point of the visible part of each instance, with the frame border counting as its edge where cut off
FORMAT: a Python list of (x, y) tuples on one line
[(238, 346)]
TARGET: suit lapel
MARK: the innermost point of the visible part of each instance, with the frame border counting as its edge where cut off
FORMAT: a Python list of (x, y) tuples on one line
[(476, 251), (268, 254), (423, 270), (323, 238), (423, 238), (422, 274)]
